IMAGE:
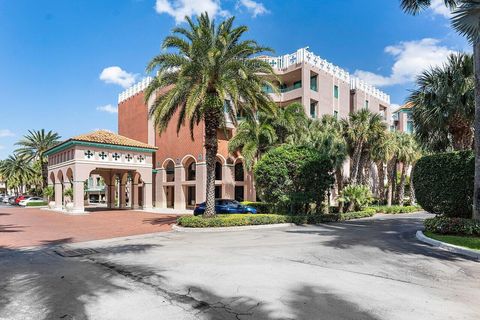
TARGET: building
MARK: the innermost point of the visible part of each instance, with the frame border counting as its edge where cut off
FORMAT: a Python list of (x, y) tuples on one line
[(402, 119), (172, 173)]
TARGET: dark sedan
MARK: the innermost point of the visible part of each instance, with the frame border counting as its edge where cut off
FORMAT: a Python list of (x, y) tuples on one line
[(225, 206)]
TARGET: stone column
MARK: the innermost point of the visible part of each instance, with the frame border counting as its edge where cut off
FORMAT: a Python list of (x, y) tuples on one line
[(201, 182), (58, 196), (250, 192), (228, 181), (179, 200), (111, 194), (147, 196), (78, 195), (122, 196), (160, 196), (135, 195)]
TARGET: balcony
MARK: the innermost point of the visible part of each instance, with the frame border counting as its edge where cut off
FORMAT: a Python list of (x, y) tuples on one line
[(296, 85)]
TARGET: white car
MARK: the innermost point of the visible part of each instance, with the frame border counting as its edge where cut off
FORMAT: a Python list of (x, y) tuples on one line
[(31, 200), (5, 199)]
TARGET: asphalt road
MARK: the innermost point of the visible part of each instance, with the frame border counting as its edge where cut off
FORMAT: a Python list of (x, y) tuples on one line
[(364, 269)]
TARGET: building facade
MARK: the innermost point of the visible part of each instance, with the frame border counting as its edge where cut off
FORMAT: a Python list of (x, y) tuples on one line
[(402, 119), (178, 164)]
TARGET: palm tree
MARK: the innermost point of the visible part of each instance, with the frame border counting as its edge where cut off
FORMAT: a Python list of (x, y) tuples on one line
[(211, 73), (381, 153), (17, 170), (33, 147), (407, 153), (289, 121), (444, 105), (361, 130), (252, 138)]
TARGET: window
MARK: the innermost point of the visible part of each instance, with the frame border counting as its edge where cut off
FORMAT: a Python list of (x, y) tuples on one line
[(191, 171), (297, 84), (239, 193), (313, 109), (409, 126), (218, 171), (267, 89), (313, 83), (366, 104), (335, 114), (218, 192), (239, 176), (335, 92)]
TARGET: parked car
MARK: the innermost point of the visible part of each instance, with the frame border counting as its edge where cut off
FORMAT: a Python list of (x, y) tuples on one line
[(20, 198), (5, 199), (26, 201), (11, 200), (225, 206)]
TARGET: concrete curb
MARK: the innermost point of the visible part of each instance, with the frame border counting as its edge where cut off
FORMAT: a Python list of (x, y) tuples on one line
[(232, 229), (448, 247)]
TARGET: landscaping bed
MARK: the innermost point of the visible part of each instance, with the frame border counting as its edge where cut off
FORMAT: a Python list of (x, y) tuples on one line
[(462, 241), (396, 209), (234, 220)]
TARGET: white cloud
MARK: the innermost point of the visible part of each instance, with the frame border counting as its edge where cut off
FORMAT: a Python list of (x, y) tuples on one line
[(411, 58), (255, 8), (6, 133), (181, 8), (118, 76), (2, 147), (438, 7), (108, 108)]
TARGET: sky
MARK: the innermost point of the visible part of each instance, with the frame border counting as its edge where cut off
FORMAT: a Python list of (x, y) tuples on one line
[(63, 63)]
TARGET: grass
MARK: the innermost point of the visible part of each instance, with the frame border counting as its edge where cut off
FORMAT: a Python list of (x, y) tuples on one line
[(36, 204), (462, 241)]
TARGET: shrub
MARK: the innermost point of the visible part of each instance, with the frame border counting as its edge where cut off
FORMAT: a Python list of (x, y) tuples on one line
[(36, 204), (356, 197), (292, 177), (443, 183), (262, 207), (48, 192), (231, 220), (456, 226), (396, 209)]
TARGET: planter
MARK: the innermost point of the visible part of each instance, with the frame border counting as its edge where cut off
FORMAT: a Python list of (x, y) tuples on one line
[(69, 207), (51, 205)]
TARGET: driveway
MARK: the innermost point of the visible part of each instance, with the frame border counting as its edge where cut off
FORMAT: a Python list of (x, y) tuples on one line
[(22, 227), (365, 269)]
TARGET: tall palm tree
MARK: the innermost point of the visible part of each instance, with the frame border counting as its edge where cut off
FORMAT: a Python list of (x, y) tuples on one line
[(381, 153), (361, 129), (33, 147), (444, 105), (465, 20), (392, 166), (252, 138), (17, 170), (407, 153), (210, 73)]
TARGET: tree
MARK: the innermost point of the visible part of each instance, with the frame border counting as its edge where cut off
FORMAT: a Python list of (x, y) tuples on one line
[(465, 20), (210, 74), (381, 153), (17, 170), (407, 153), (326, 136), (33, 147), (252, 138), (444, 105), (293, 177), (288, 122), (361, 130)]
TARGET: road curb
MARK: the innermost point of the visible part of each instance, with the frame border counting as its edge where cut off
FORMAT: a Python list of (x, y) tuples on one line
[(448, 247), (232, 229)]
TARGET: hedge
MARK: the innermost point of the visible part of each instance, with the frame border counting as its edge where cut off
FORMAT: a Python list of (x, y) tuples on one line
[(262, 207), (234, 220), (395, 209), (36, 204), (454, 226), (443, 183)]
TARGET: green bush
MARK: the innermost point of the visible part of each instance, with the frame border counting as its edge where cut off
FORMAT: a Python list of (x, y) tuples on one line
[(293, 177), (356, 197), (262, 207), (235, 220), (396, 209), (443, 183), (36, 204), (455, 226)]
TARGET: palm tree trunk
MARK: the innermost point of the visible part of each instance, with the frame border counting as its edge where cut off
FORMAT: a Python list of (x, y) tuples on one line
[(339, 178), (356, 163), (391, 178), (381, 181), (211, 148), (44, 173), (476, 196), (413, 199), (401, 186)]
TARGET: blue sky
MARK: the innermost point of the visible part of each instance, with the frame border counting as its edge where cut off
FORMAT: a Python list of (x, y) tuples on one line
[(63, 63)]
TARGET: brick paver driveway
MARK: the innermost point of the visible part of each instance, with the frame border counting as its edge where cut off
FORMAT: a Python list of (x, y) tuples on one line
[(21, 227)]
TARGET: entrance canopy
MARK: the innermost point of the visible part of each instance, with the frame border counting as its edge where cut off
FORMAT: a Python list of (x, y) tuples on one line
[(114, 157)]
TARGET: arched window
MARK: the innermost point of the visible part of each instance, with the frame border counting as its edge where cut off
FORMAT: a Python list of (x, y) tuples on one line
[(191, 171), (218, 171), (170, 171), (239, 174)]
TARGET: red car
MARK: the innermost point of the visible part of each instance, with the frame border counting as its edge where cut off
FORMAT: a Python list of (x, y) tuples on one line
[(20, 198)]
